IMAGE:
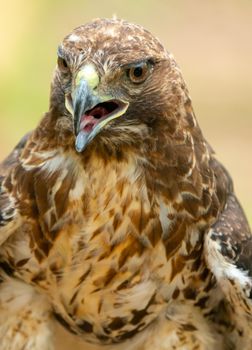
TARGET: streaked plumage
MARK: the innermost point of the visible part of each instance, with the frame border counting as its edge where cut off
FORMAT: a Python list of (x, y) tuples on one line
[(116, 219)]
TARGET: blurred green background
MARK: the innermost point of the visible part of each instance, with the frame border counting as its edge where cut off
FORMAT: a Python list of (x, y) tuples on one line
[(211, 40)]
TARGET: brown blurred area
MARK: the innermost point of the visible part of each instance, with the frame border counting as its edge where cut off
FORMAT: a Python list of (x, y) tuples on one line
[(211, 40)]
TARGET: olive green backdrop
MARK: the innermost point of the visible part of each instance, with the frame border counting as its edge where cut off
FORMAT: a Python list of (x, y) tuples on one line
[(211, 40)]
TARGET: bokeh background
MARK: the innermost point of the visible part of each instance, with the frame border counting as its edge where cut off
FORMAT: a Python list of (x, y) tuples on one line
[(211, 40)]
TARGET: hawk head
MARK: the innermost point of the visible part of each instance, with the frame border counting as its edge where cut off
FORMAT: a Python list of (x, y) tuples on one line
[(116, 84)]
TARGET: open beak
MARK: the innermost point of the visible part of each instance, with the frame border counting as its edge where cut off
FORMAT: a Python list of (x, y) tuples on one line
[(91, 111)]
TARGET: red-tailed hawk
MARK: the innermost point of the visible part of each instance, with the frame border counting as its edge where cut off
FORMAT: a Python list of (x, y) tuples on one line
[(115, 217)]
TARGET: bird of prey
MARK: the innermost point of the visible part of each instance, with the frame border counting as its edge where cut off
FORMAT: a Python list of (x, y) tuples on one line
[(116, 219)]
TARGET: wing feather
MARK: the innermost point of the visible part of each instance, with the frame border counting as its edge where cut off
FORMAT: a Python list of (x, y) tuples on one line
[(228, 252), (8, 212)]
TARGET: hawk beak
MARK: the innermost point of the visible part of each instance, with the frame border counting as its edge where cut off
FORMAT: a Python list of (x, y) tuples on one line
[(91, 111)]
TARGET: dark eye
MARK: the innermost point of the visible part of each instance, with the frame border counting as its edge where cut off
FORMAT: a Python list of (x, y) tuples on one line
[(62, 63), (139, 72)]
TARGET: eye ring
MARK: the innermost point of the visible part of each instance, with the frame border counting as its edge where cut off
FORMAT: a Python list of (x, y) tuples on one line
[(63, 65), (139, 72)]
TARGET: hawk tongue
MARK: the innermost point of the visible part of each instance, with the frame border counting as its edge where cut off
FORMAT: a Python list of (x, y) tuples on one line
[(91, 123), (88, 122), (87, 131), (91, 118), (87, 125)]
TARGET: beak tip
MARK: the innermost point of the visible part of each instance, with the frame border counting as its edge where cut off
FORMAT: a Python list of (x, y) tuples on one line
[(81, 141)]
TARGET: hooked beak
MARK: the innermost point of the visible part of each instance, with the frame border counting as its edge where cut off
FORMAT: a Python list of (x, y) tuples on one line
[(91, 112)]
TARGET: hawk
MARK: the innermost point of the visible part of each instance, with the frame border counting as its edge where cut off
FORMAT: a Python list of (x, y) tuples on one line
[(116, 219)]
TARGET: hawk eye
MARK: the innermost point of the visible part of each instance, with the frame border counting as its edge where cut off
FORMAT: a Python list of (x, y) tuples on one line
[(139, 72), (62, 63)]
